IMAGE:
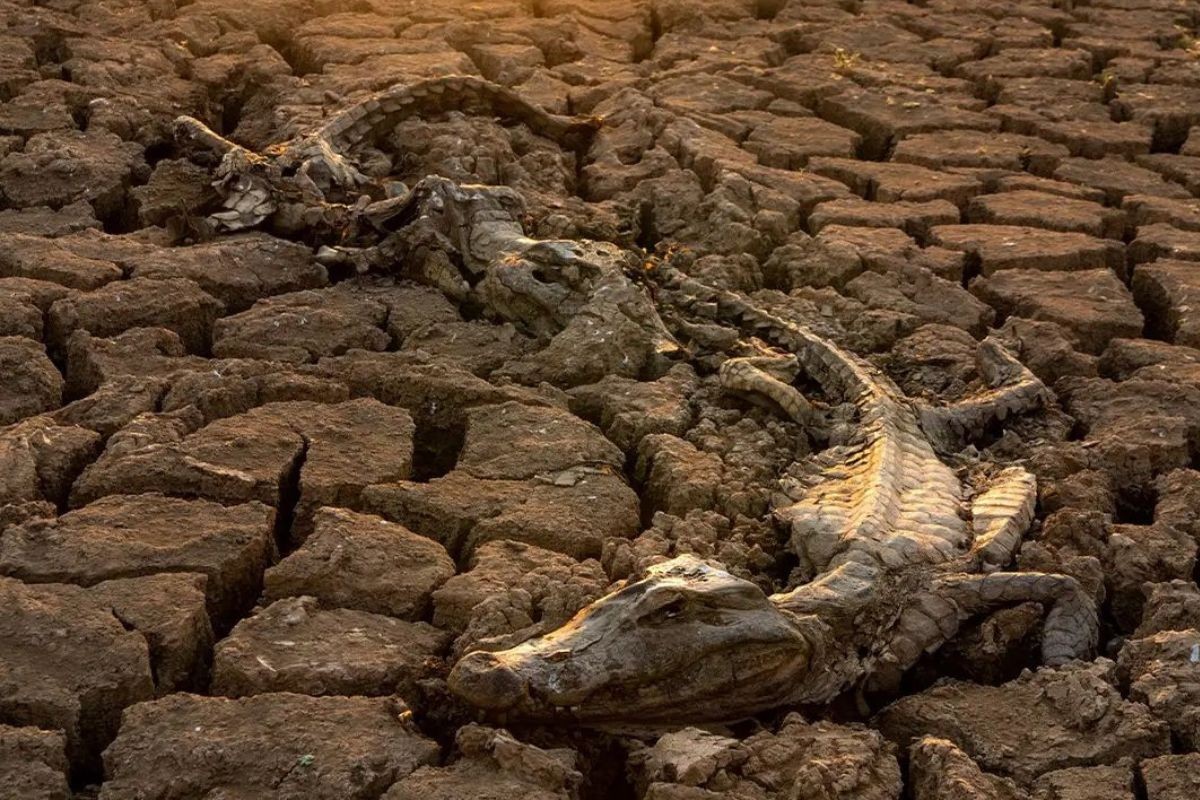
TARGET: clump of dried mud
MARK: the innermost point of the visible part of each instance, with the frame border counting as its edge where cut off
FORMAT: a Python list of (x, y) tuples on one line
[(253, 508)]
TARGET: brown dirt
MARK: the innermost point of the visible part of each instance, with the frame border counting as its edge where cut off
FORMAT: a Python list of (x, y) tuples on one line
[(253, 508)]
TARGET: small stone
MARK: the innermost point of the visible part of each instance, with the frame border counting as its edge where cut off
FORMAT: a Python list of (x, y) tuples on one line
[(493, 765), (1092, 305), (1171, 777), (33, 764), (1006, 247), (1070, 716)]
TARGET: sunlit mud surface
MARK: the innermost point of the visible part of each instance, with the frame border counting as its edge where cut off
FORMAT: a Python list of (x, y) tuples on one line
[(630, 400)]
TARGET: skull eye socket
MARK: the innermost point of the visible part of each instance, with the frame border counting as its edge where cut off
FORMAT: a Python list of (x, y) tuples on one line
[(665, 613)]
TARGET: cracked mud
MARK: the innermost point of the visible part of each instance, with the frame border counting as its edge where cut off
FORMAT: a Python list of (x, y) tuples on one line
[(633, 399)]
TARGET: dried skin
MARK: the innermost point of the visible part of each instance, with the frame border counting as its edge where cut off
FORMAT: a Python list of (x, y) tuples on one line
[(884, 511)]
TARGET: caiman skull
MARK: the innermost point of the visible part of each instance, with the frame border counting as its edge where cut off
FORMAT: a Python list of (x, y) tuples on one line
[(316, 165), (688, 642)]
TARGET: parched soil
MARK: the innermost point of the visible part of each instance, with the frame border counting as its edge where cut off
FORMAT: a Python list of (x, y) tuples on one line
[(253, 508)]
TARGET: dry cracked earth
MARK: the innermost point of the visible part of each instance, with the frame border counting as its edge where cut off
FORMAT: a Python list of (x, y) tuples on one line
[(253, 508)]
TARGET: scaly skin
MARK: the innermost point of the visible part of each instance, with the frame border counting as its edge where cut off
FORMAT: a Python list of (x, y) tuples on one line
[(897, 557), (380, 113), (308, 170), (897, 569), (1014, 390)]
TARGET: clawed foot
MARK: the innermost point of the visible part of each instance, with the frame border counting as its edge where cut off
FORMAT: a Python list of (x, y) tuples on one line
[(933, 617), (358, 259)]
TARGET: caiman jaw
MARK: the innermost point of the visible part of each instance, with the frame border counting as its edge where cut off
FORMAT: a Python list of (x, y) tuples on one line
[(687, 643)]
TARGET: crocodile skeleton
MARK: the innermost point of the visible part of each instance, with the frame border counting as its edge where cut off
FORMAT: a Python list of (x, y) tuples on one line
[(897, 554)]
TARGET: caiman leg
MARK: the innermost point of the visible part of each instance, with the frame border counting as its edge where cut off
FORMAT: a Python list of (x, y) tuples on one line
[(934, 616), (1000, 516), (1071, 626), (245, 180), (192, 132), (752, 375), (1013, 389)]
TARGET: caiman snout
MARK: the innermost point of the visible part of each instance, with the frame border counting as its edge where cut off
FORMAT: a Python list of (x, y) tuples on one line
[(485, 681), (687, 642)]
